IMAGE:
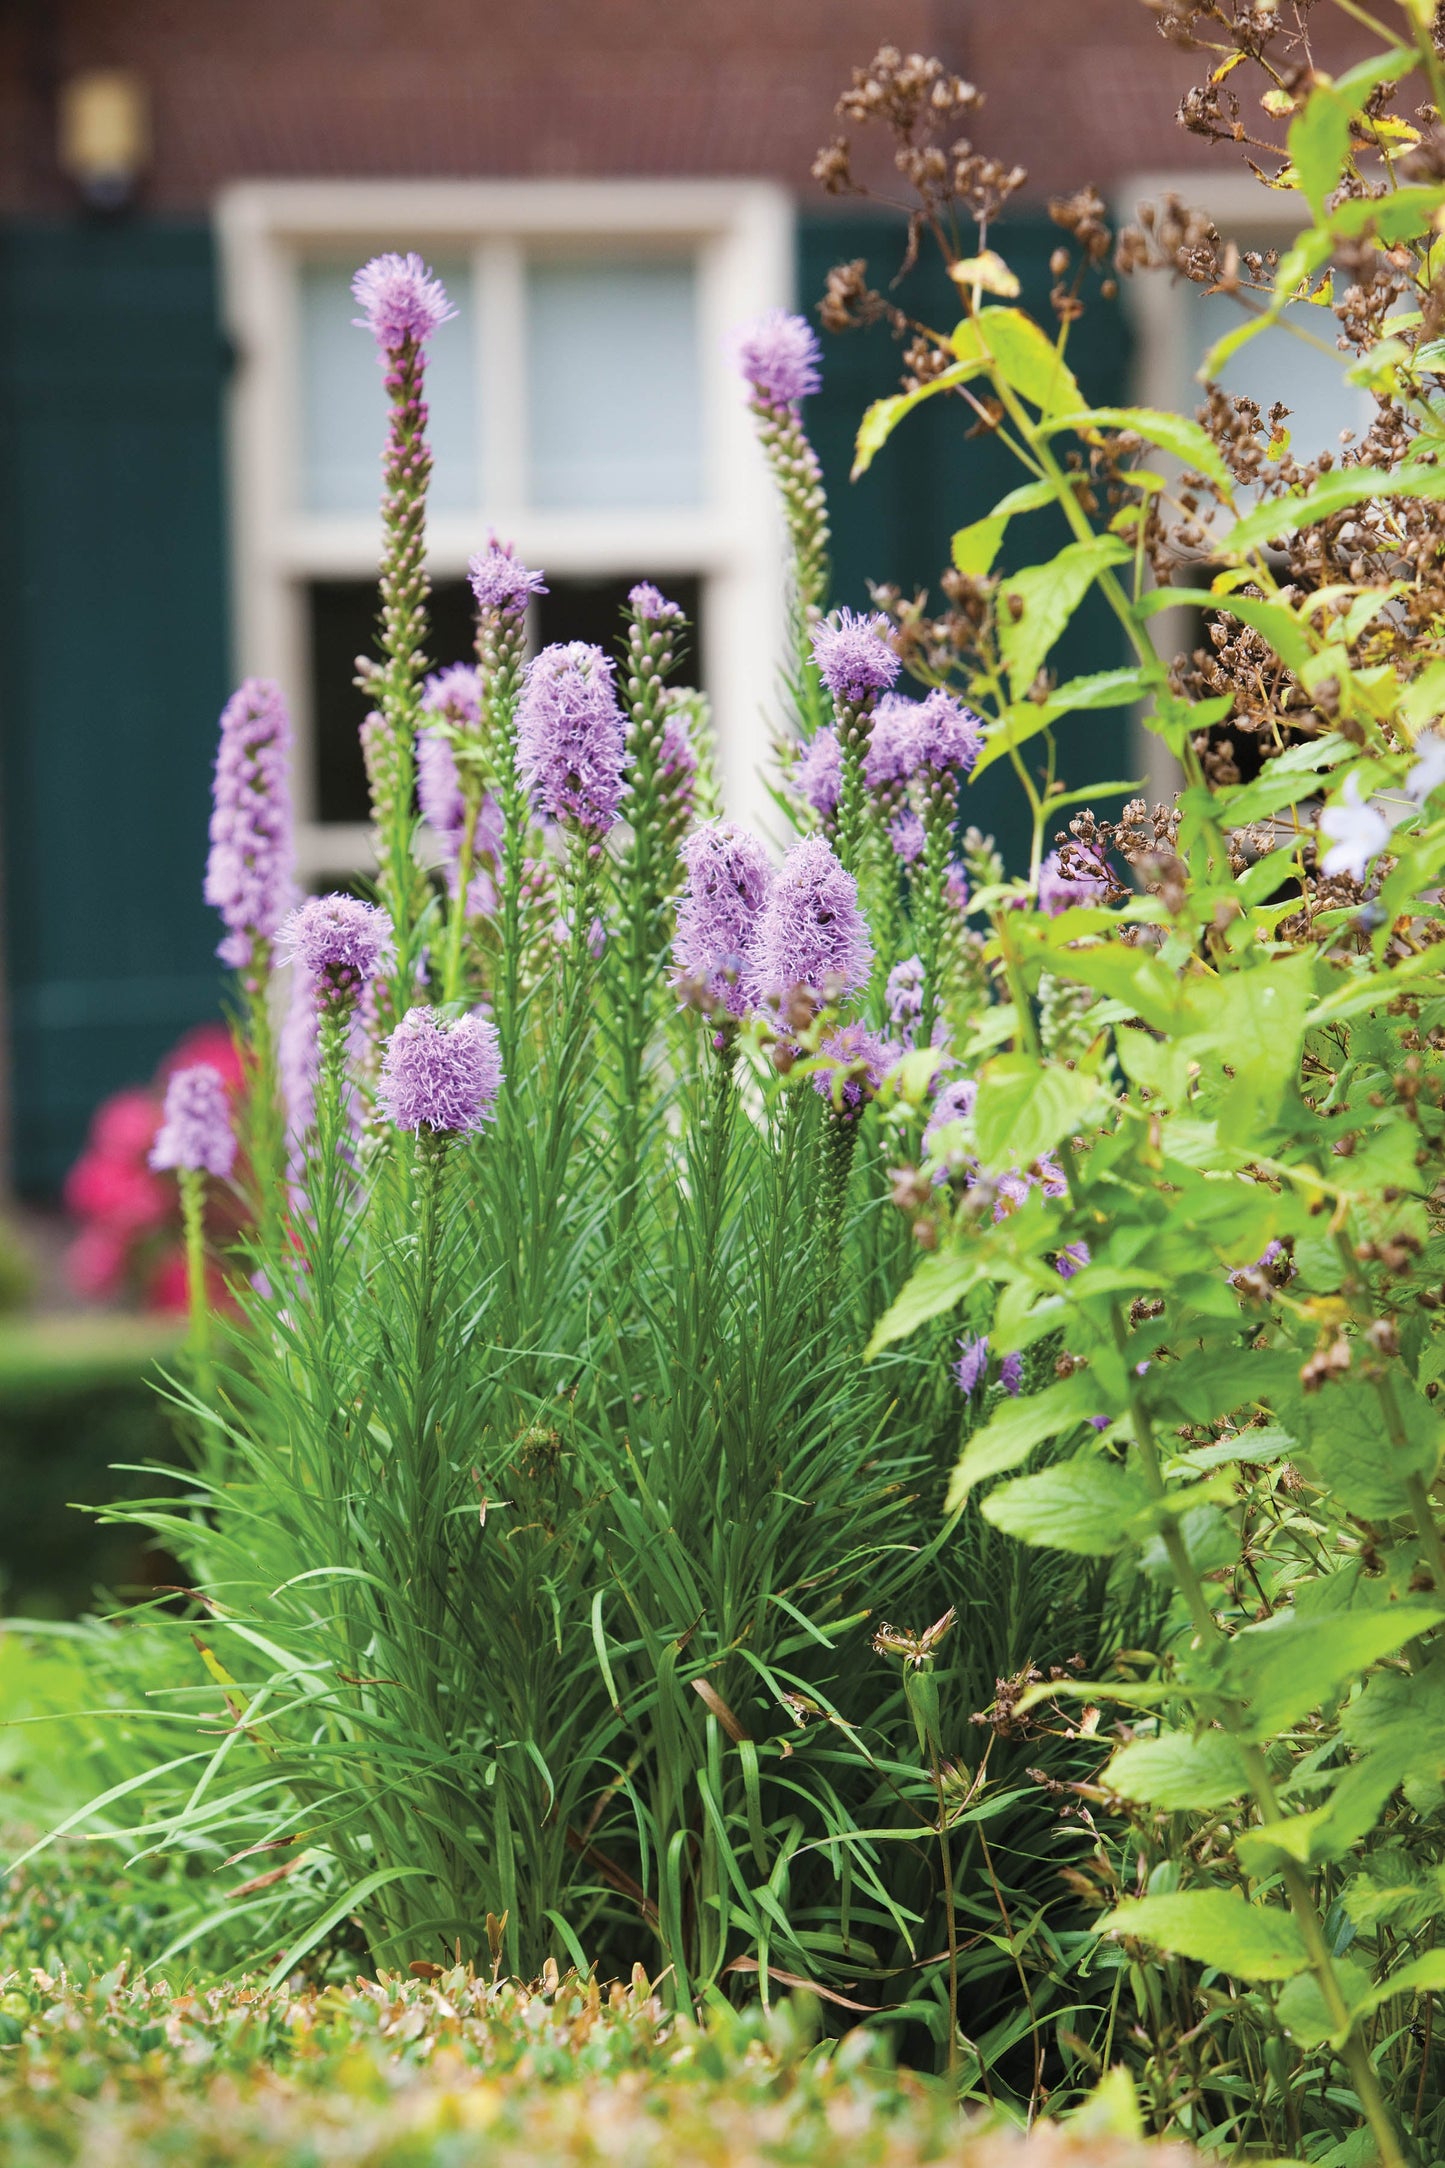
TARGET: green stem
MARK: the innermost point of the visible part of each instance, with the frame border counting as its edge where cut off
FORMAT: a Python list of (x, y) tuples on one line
[(193, 1219), (457, 914)]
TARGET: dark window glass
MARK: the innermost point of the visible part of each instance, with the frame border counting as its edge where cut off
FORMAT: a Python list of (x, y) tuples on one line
[(342, 626)]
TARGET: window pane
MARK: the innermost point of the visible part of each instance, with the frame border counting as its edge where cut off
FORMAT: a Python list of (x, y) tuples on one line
[(615, 406), (343, 404), (342, 625)]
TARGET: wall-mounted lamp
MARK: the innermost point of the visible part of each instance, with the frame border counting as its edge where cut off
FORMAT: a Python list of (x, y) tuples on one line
[(104, 141)]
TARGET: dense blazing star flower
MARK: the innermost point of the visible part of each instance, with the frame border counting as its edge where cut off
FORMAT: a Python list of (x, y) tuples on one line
[(1059, 891), (454, 696), (1428, 772), (955, 889), (908, 835), (779, 357), (400, 302), (865, 1056), (811, 935), (195, 1135), (818, 776), (1072, 1258), (1358, 833), (1011, 1373), (893, 748), (855, 655), (972, 1366), (502, 584), (340, 943), (904, 995), (953, 1104), (677, 762), (572, 737), (948, 736), (249, 870), (651, 606), (439, 1076), (728, 878)]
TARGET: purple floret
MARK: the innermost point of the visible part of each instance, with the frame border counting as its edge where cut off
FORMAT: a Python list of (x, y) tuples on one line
[(195, 1132), (855, 655), (454, 696), (439, 794), (892, 753), (652, 606), (904, 995), (972, 1366), (572, 737), (1072, 1258), (677, 762), (948, 736), (500, 581), (728, 878), (249, 870), (441, 1076), (908, 836), (863, 1057), (818, 777), (953, 1104), (1011, 1373), (811, 934), (780, 358), (340, 943), (400, 300)]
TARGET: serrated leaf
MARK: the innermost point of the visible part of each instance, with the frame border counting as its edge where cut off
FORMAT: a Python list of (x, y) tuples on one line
[(1083, 1506), (883, 416), (1303, 2011), (1279, 624), (1017, 1426), (1047, 596), (1334, 492), (1024, 1107), (1215, 1927), (939, 1283), (1349, 1446), (975, 547), (1286, 1667), (1179, 1771), (1171, 432), (1024, 356)]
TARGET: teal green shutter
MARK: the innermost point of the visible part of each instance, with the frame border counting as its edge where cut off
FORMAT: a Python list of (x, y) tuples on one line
[(931, 478), (113, 619)]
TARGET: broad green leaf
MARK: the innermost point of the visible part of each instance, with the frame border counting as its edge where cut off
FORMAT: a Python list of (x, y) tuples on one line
[(1215, 1927), (974, 548), (1179, 1771), (1401, 216), (1404, 1717), (1280, 626), (1083, 1505), (1024, 1107), (939, 1284), (1023, 355), (1171, 432), (883, 417), (1303, 2011), (1348, 1445), (1047, 597), (1023, 719), (1017, 1426), (1418, 1976), (1333, 492), (1319, 144), (1284, 1668), (1390, 1890)]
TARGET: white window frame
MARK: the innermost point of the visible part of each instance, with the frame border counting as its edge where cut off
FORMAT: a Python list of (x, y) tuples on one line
[(742, 232)]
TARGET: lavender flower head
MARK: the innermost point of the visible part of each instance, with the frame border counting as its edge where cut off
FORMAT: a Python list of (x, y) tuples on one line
[(1072, 1258), (454, 696), (855, 655), (439, 1076), (248, 872), (908, 835), (904, 995), (572, 737), (677, 761), (779, 357), (728, 879), (953, 1104), (862, 1061), (1059, 891), (818, 776), (892, 754), (500, 581), (652, 606), (1011, 1374), (972, 1366), (340, 943), (400, 300), (948, 736), (195, 1133), (811, 934)]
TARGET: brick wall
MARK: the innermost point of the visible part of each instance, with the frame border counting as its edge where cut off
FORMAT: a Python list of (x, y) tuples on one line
[(1077, 89)]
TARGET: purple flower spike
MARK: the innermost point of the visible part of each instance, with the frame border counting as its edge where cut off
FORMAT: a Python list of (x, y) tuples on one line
[(195, 1132), (972, 1366), (811, 934), (866, 1058), (677, 763), (904, 995), (454, 696), (248, 872), (908, 836), (439, 1076), (572, 737), (728, 879), (818, 777), (340, 943), (948, 736), (652, 606), (401, 302), (1011, 1374), (892, 754), (855, 655), (1072, 1258), (780, 358), (501, 582)]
